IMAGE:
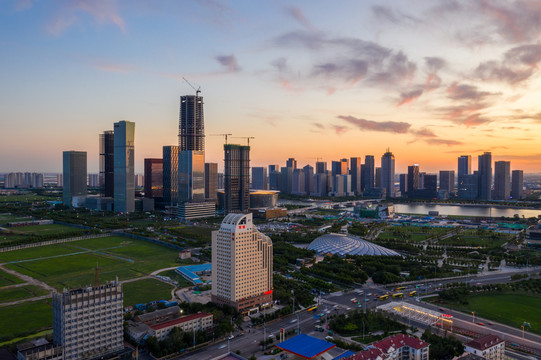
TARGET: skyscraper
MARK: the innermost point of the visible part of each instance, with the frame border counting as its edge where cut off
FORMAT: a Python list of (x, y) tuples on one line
[(377, 177), (291, 163), (464, 165), (447, 181), (468, 187), (309, 186), (355, 172), (259, 178), (237, 178), (107, 163), (170, 175), (153, 178), (485, 176), (413, 178), (191, 123), (517, 184), (321, 167), (74, 175), (368, 176), (298, 183), (502, 180), (286, 177), (211, 182), (274, 168), (242, 264), (124, 158), (387, 173), (403, 184), (191, 176)]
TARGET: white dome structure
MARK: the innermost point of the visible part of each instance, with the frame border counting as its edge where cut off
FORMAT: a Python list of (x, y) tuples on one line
[(342, 244)]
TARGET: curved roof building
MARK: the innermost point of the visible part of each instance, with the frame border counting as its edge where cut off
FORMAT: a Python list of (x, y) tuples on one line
[(342, 244)]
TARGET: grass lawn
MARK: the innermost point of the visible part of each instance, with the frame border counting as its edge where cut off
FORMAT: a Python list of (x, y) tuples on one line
[(23, 292), (72, 264), (25, 319), (182, 283), (511, 309), (45, 229), (8, 279), (146, 290)]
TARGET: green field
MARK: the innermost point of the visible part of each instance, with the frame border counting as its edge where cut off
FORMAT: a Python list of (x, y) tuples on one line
[(44, 229), (23, 292), (413, 233), (182, 283), (511, 309), (25, 319), (73, 264), (144, 291), (8, 279)]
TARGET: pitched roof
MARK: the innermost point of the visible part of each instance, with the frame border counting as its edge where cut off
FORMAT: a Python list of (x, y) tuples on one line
[(368, 354), (305, 346), (398, 341), (485, 342)]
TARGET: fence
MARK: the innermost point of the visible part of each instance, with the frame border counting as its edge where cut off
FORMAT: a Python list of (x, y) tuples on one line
[(51, 242)]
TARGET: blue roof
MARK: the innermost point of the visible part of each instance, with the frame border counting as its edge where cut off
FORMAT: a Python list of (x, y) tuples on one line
[(305, 346), (189, 272), (344, 354)]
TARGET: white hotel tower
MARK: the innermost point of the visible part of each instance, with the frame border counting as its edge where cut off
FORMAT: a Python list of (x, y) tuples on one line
[(241, 264)]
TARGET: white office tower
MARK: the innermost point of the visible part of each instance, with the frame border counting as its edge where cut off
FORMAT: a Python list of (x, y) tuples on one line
[(87, 323), (241, 265)]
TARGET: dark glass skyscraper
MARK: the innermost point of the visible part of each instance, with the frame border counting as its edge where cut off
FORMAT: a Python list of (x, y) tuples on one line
[(124, 176), (237, 178), (485, 176), (107, 164), (502, 180), (355, 172), (368, 175), (153, 178), (387, 173), (517, 178), (211, 182), (170, 175), (413, 178), (191, 123), (74, 174)]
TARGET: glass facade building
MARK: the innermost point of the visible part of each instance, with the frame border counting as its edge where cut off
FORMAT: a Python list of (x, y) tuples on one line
[(170, 175), (107, 164), (153, 178), (124, 158), (74, 175), (237, 178), (191, 176)]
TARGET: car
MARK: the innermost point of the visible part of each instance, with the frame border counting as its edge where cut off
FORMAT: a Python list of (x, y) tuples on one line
[(329, 338), (369, 294), (230, 337), (478, 284), (293, 321), (442, 309), (366, 300), (482, 324), (271, 335), (222, 346)]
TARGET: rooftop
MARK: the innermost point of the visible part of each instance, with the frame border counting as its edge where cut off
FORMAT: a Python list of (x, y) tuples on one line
[(305, 346), (485, 342), (179, 320), (398, 341), (348, 245)]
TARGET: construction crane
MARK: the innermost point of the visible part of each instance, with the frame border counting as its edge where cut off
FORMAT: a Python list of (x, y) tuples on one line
[(224, 135), (245, 137), (197, 91)]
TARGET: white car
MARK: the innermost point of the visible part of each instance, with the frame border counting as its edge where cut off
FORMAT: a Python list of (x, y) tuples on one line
[(293, 321)]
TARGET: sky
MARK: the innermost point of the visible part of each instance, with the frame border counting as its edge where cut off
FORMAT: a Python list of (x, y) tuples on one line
[(429, 79)]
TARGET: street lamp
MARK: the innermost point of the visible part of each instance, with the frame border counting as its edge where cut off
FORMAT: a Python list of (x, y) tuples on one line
[(524, 324), (473, 313)]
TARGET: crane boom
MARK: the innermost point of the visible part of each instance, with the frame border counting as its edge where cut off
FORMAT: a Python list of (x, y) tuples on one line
[(224, 135), (197, 91), (245, 137)]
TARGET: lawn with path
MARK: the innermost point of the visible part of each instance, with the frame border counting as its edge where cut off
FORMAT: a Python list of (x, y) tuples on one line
[(25, 319), (8, 279), (23, 292), (146, 290)]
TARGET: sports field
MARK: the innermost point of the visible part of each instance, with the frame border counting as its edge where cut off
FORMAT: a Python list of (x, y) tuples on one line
[(144, 291), (510, 309), (72, 264)]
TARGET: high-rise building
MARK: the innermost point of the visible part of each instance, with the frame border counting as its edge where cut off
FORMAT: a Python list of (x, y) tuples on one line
[(274, 168), (413, 178), (468, 186), (170, 175), (339, 167), (403, 184), (107, 163), (74, 175), (237, 178), (286, 176), (431, 182), (93, 180), (191, 176), (355, 172), (387, 173), (309, 186), (377, 177), (221, 182), (464, 165), (191, 123), (447, 181), (87, 323), (368, 176), (298, 183), (485, 176), (139, 181), (275, 180), (321, 167), (153, 178), (320, 184), (517, 178), (291, 163), (242, 274), (259, 178), (124, 159), (211, 182), (502, 180)]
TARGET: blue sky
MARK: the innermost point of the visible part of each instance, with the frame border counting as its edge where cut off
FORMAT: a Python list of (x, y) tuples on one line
[(307, 79)]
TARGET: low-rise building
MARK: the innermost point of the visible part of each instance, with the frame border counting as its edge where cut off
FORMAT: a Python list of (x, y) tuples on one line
[(489, 346), (396, 347)]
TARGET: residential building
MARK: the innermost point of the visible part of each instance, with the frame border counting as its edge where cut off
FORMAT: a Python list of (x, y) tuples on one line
[(309, 185), (489, 347), (87, 323), (468, 186), (517, 184), (139, 181), (502, 180), (74, 175), (355, 172), (153, 178), (396, 347), (237, 178), (242, 274), (368, 176), (447, 181), (259, 178), (211, 182), (387, 173), (170, 175), (413, 178), (107, 163), (485, 176), (124, 162), (464, 165)]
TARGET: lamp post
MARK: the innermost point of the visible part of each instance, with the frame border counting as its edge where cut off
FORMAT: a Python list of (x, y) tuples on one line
[(298, 324), (473, 314)]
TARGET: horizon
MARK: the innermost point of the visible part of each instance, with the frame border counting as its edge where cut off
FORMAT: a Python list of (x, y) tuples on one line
[(431, 80)]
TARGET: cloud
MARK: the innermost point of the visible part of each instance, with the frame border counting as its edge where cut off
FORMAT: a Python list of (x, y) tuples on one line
[(340, 129), (297, 14), (352, 71), (112, 67), (385, 13), (466, 92), (229, 62), (409, 96), (382, 126), (102, 11), (434, 64), (397, 68), (319, 126), (443, 142), (424, 132)]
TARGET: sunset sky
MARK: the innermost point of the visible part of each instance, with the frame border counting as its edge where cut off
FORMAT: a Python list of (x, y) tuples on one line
[(308, 79)]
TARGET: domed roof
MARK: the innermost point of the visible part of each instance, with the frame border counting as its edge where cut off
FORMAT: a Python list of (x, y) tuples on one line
[(342, 244)]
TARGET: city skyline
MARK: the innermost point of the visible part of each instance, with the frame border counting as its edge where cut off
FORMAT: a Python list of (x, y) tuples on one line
[(339, 76)]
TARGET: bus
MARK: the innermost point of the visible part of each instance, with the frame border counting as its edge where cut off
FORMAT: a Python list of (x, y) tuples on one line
[(312, 308), (401, 288), (384, 297), (413, 293), (397, 295)]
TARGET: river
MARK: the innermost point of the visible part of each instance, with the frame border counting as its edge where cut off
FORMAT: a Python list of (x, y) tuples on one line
[(458, 210)]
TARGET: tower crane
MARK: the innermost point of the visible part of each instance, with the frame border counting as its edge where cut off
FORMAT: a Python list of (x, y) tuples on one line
[(197, 91), (245, 137), (224, 135)]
